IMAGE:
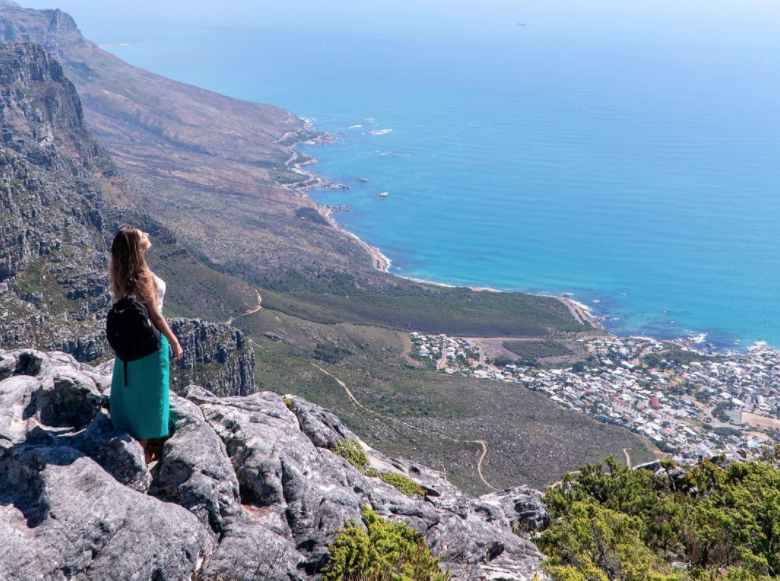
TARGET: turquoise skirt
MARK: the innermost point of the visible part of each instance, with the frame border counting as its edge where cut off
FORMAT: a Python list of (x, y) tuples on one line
[(142, 406)]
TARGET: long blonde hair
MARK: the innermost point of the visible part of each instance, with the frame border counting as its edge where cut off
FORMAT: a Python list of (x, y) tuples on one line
[(128, 265)]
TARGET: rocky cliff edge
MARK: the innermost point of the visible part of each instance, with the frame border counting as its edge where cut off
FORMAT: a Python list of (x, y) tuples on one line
[(245, 484)]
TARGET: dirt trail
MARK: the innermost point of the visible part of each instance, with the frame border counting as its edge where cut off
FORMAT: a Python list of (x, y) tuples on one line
[(628, 458), (354, 400), (248, 311)]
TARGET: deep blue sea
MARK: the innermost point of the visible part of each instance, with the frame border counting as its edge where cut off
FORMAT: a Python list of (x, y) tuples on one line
[(630, 157)]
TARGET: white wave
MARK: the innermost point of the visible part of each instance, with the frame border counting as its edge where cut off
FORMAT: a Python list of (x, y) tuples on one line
[(380, 131), (355, 126)]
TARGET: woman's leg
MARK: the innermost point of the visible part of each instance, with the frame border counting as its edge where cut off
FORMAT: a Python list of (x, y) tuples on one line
[(147, 454)]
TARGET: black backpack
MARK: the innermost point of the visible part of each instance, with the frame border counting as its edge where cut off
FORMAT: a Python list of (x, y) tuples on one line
[(130, 333)]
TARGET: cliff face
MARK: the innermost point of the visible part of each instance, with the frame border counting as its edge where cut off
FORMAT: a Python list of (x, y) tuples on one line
[(53, 259), (245, 484), (216, 356)]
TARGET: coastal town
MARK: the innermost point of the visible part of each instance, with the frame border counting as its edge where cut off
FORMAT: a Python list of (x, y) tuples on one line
[(689, 402)]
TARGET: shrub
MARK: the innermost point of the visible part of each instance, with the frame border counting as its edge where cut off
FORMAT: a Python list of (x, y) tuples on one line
[(708, 524), (403, 484), (331, 353), (384, 551), (353, 452)]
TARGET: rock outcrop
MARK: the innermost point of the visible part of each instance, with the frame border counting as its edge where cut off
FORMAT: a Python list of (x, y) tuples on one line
[(216, 356), (245, 484)]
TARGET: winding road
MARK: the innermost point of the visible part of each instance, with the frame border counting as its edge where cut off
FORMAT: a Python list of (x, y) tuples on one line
[(356, 402), (248, 311)]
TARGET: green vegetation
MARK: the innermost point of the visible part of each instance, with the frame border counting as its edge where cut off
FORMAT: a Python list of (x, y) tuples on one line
[(331, 353), (383, 551), (612, 523), (532, 350), (353, 452), (335, 297), (676, 356), (403, 484), (36, 281)]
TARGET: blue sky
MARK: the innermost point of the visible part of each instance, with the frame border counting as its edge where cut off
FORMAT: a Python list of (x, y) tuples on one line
[(692, 22)]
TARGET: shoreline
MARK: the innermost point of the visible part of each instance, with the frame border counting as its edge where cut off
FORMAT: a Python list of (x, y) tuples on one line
[(382, 263)]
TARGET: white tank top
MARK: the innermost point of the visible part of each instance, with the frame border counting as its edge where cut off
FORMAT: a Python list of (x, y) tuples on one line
[(161, 286)]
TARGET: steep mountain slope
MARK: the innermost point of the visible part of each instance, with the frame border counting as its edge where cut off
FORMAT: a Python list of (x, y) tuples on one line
[(53, 260), (55, 228), (214, 169)]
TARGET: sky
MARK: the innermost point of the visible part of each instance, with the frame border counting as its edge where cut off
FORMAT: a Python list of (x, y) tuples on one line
[(682, 22)]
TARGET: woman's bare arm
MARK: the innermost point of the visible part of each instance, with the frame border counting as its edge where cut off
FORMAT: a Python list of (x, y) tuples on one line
[(147, 293)]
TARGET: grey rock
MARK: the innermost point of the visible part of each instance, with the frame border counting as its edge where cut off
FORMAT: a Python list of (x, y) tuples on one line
[(245, 485), (521, 506), (63, 517), (216, 356), (250, 550), (195, 471), (116, 452), (279, 468), (322, 427)]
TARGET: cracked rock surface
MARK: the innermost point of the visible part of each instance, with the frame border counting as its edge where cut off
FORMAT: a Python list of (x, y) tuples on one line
[(246, 486)]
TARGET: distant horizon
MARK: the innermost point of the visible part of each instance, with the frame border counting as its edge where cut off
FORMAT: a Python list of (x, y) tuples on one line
[(687, 22)]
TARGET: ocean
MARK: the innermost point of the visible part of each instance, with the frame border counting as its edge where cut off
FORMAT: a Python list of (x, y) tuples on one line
[(628, 156)]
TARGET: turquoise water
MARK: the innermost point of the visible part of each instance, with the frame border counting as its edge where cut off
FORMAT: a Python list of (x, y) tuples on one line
[(634, 163)]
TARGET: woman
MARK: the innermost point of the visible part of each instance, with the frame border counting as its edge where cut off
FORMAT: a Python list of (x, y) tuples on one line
[(142, 406)]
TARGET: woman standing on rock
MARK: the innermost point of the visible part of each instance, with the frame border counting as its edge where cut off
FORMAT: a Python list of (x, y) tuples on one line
[(140, 399)]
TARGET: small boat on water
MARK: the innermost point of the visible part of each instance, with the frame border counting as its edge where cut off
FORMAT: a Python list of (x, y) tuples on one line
[(384, 194), (364, 180)]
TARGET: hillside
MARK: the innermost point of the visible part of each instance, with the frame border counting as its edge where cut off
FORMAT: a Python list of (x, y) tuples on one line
[(56, 226), (220, 173)]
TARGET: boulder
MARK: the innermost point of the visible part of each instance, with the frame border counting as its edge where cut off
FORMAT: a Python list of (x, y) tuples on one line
[(63, 517), (246, 487), (195, 470)]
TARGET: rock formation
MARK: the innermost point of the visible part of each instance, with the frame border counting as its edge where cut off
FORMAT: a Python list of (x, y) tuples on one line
[(245, 484), (53, 260), (216, 356)]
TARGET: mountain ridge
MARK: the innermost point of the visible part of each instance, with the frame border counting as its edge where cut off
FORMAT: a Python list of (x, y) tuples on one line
[(56, 226)]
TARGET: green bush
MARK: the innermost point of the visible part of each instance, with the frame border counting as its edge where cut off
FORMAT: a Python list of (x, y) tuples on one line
[(353, 452), (383, 552), (613, 523), (403, 484), (331, 353)]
